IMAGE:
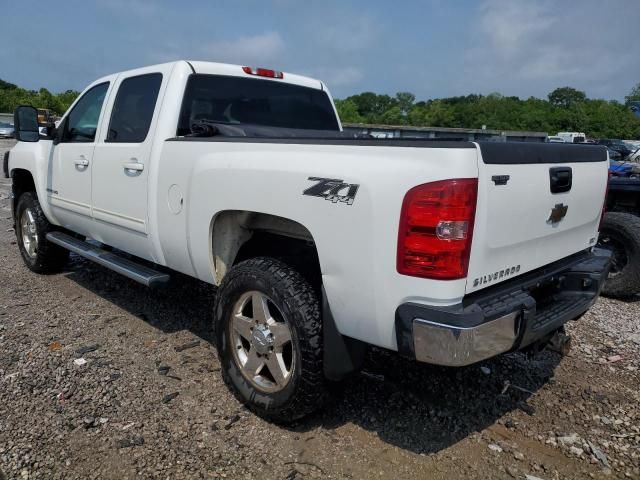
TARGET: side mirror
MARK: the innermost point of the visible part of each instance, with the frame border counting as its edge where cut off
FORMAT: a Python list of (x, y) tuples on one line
[(25, 121)]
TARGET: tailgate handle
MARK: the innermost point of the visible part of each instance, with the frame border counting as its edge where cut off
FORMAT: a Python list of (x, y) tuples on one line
[(560, 179)]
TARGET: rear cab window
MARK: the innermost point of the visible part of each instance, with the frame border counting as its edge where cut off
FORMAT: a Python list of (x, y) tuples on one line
[(240, 101)]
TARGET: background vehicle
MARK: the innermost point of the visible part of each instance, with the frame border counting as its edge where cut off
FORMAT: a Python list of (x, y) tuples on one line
[(614, 155), (45, 118), (618, 145), (572, 137), (634, 156), (6, 130), (556, 139), (620, 231), (320, 244)]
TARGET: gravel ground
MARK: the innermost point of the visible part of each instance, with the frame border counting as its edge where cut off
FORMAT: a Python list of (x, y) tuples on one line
[(102, 378)]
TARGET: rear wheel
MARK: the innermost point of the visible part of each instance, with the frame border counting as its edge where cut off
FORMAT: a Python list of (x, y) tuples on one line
[(620, 233), (269, 338), (39, 254)]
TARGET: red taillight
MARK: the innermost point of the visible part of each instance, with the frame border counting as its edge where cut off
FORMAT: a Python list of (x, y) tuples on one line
[(263, 72), (436, 228)]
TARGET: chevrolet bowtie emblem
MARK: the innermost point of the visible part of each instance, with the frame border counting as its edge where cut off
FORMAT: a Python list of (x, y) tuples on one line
[(557, 213)]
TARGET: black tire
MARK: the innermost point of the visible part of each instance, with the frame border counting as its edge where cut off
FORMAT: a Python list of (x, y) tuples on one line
[(620, 233), (295, 298), (48, 258)]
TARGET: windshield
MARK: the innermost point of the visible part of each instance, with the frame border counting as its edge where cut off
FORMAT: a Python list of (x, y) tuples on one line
[(249, 101)]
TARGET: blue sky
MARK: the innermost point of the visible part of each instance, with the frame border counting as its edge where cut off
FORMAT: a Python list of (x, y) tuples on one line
[(433, 48)]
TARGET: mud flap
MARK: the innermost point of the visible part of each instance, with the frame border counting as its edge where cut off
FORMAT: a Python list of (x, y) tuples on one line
[(342, 355)]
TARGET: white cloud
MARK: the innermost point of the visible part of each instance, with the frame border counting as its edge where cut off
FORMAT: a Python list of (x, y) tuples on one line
[(521, 46), (509, 25), (346, 34), (256, 50), (336, 76), (345, 76)]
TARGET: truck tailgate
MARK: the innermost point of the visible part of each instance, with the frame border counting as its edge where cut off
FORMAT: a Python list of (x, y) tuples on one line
[(537, 203)]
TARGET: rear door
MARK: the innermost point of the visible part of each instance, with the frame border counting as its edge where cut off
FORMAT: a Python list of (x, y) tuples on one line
[(537, 203), (122, 161)]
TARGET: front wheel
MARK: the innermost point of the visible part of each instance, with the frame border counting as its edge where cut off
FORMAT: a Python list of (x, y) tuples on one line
[(269, 339), (39, 254), (620, 233)]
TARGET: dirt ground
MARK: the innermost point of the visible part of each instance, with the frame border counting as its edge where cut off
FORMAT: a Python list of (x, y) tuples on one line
[(102, 378)]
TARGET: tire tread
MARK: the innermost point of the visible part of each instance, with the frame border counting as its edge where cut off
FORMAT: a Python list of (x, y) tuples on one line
[(627, 228)]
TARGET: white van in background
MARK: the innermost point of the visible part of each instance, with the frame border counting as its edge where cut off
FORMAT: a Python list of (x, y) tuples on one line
[(573, 137)]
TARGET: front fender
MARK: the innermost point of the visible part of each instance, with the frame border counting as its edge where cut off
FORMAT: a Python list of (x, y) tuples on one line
[(34, 157)]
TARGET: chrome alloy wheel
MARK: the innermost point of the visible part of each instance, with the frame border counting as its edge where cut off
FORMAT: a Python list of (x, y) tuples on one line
[(29, 233), (261, 342)]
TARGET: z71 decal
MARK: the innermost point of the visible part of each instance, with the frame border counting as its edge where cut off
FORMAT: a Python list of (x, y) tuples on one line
[(332, 189)]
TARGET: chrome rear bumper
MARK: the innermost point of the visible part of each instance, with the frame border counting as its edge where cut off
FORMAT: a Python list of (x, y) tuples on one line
[(457, 346), (506, 317)]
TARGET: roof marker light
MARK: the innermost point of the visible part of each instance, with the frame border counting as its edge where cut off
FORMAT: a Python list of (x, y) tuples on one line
[(263, 72)]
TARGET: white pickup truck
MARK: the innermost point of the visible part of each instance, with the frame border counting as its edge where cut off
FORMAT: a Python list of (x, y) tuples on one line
[(449, 252)]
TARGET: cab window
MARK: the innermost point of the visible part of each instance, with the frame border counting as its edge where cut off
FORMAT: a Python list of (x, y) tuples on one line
[(249, 101), (82, 121), (133, 109)]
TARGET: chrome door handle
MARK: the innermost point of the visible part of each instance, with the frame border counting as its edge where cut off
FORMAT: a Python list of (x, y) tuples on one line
[(133, 166), (82, 162)]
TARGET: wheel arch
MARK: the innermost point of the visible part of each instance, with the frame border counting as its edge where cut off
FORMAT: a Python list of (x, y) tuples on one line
[(240, 235), (21, 181), (237, 235)]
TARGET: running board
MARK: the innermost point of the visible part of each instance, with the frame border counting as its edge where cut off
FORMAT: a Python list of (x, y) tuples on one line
[(140, 273)]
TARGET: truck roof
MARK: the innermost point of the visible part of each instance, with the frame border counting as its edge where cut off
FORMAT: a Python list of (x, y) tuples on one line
[(214, 68)]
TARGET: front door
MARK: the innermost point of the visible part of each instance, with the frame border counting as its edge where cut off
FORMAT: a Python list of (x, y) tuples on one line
[(69, 186), (121, 164)]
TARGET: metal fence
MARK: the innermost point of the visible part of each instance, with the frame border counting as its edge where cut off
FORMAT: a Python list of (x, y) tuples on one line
[(470, 134)]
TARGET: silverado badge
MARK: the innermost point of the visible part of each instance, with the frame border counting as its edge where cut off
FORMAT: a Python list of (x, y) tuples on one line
[(557, 213)]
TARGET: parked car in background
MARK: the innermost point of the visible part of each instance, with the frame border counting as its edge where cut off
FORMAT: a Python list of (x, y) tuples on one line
[(620, 230), (618, 145), (556, 139), (6, 130), (614, 155), (573, 137)]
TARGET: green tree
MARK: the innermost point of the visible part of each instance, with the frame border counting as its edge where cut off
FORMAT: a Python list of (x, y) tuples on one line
[(393, 116), (348, 111), (566, 97), (634, 95), (405, 101), (371, 106), (12, 96), (7, 86)]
